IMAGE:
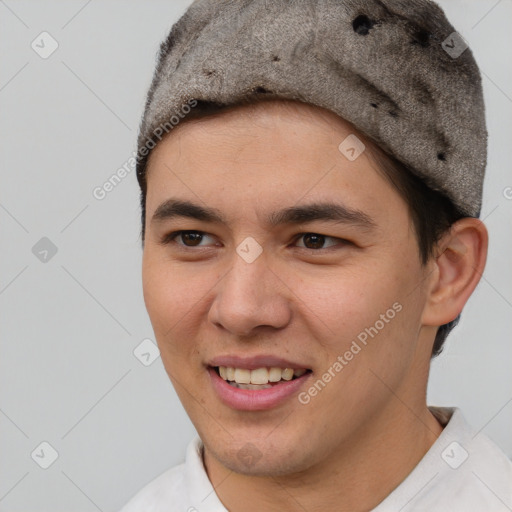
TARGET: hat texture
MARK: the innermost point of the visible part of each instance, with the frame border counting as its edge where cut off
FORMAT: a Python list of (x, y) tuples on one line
[(396, 69)]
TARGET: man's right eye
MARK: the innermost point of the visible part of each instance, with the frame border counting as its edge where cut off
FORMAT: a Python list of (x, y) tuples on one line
[(188, 238)]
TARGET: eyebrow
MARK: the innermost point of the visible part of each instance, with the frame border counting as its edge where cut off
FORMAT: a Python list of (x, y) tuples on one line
[(317, 211)]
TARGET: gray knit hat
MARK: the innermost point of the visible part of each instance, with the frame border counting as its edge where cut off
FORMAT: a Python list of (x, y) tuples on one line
[(396, 69)]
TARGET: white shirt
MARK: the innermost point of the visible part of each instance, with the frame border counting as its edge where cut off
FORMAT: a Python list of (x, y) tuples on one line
[(463, 471)]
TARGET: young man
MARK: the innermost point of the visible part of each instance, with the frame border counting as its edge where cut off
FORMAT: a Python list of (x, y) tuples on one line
[(311, 177)]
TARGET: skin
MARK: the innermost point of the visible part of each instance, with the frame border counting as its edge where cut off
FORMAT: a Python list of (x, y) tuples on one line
[(358, 438)]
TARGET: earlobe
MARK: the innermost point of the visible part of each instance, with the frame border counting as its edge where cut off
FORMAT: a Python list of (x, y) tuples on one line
[(459, 265)]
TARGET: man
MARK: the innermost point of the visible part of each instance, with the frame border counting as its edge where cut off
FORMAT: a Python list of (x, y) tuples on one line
[(311, 177)]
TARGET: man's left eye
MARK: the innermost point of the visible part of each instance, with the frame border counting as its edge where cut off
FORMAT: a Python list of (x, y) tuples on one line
[(316, 240)]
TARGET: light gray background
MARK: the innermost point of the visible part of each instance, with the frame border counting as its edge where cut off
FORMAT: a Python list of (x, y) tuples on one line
[(69, 326)]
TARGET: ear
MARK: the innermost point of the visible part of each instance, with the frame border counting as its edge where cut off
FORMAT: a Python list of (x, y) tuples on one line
[(457, 267)]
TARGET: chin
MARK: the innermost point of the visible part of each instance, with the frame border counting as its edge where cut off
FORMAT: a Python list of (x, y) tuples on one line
[(261, 457)]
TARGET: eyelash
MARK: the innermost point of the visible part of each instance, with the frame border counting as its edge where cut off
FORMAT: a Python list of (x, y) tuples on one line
[(169, 239)]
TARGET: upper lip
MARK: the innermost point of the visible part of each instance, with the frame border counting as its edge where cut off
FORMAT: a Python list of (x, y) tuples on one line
[(254, 362)]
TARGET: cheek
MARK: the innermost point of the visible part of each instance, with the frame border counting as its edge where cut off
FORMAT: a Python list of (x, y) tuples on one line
[(168, 296), (376, 304), (174, 296), (373, 327)]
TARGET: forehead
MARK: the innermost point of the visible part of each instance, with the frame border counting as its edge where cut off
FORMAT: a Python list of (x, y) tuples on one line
[(282, 130), (270, 111), (268, 154)]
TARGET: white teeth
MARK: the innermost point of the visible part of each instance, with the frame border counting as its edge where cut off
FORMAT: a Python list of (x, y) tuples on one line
[(258, 378), (274, 375), (242, 376), (287, 374)]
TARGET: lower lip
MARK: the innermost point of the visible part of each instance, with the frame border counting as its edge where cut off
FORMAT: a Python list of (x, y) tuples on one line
[(255, 399)]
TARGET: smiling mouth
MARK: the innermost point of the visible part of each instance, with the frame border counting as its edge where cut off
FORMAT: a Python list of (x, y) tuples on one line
[(259, 378)]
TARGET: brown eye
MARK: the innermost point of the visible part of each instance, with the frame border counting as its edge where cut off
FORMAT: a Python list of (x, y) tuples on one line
[(191, 238), (312, 241), (315, 241), (188, 238)]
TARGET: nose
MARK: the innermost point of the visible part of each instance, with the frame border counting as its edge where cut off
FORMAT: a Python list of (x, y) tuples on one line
[(250, 297)]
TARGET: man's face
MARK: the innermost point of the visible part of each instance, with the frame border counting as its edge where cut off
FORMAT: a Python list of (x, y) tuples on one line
[(342, 299)]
